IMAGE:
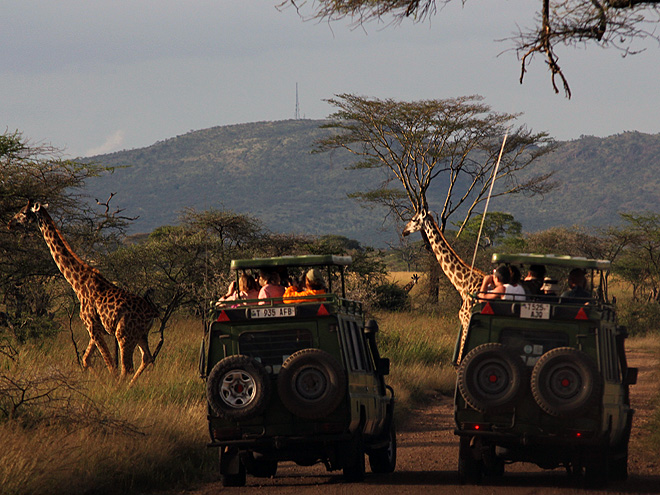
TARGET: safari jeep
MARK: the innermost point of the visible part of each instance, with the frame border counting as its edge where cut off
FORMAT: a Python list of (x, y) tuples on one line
[(300, 382), (545, 380)]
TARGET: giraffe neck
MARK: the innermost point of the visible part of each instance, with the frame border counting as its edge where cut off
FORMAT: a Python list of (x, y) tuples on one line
[(74, 269), (465, 279)]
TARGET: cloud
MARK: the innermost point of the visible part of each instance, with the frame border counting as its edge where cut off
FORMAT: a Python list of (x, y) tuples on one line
[(112, 143)]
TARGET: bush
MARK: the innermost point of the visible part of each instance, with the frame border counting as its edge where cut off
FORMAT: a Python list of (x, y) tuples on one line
[(639, 317), (390, 297)]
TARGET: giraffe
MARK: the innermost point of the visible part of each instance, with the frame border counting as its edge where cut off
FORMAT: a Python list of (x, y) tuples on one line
[(104, 307), (408, 287), (466, 280)]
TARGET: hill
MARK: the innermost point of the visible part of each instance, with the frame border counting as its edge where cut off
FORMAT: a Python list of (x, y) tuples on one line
[(267, 170)]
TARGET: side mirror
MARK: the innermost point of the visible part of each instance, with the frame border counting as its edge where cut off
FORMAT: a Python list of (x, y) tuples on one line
[(631, 376), (371, 326), (383, 366)]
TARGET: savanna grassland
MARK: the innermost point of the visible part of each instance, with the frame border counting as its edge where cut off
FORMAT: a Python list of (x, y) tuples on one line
[(79, 432)]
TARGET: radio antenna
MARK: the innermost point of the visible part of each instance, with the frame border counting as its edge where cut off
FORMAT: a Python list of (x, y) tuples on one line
[(490, 192)]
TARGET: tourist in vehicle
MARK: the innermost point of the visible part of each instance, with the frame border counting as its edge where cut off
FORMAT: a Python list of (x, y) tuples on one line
[(534, 279), (514, 291), (270, 285), (577, 283), (549, 289), (247, 289), (492, 286), (314, 285)]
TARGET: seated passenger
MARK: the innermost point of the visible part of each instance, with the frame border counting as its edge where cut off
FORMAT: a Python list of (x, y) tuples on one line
[(577, 283), (549, 289), (247, 289), (492, 286), (270, 285), (534, 280), (314, 285), (514, 291)]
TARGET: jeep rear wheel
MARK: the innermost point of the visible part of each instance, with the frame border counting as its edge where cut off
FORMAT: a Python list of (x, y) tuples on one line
[(238, 387), (490, 377), (311, 383), (565, 381)]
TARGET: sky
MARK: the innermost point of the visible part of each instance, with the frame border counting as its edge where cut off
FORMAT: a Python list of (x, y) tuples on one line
[(93, 77)]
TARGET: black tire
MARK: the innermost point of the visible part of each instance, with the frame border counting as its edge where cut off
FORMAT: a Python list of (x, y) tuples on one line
[(619, 453), (383, 460), (565, 382), (490, 378), (470, 468), (238, 387), (354, 466), (232, 469), (311, 383), (259, 467)]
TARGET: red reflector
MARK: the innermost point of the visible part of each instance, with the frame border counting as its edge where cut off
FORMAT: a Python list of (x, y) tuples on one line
[(223, 317), (578, 434), (581, 315), (322, 311), (476, 427), (487, 310)]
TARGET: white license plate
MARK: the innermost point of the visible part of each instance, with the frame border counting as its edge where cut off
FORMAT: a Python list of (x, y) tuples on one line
[(282, 312), (536, 311)]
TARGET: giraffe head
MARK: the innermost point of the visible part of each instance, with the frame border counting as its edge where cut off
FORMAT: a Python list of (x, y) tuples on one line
[(25, 216), (416, 223)]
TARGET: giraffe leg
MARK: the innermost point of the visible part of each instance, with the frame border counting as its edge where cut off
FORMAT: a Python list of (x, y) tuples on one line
[(88, 354), (147, 359), (96, 331)]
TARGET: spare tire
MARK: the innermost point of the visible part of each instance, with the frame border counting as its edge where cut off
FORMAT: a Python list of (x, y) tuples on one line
[(565, 382), (238, 387), (311, 383), (490, 377)]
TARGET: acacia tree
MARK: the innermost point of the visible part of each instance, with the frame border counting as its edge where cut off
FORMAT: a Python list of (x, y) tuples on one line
[(29, 278), (607, 23), (455, 142)]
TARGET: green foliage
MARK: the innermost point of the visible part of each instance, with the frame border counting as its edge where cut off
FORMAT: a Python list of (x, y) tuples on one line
[(498, 229), (390, 297), (640, 317), (31, 288), (639, 259)]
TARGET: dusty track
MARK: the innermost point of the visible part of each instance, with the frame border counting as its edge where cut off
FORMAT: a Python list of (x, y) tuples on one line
[(428, 452)]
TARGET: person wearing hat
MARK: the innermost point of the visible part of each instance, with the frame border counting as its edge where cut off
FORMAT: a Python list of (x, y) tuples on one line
[(313, 285)]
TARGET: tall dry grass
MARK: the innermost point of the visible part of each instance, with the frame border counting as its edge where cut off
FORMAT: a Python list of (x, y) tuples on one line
[(94, 435), (420, 347)]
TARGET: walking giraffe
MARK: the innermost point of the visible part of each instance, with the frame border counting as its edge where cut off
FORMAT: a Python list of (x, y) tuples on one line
[(104, 307), (466, 280)]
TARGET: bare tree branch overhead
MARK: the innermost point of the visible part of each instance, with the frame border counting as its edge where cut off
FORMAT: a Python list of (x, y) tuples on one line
[(607, 23)]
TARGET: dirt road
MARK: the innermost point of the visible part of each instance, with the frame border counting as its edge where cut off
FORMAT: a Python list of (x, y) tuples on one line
[(428, 453)]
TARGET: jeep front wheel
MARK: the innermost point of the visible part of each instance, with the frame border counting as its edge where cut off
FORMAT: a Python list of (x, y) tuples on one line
[(490, 377), (565, 381), (311, 383), (383, 459), (238, 387)]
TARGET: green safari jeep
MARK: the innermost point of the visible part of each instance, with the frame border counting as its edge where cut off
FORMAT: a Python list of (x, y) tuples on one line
[(301, 381), (545, 380)]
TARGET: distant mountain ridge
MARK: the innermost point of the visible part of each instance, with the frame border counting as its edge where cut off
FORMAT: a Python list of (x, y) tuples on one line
[(267, 170)]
